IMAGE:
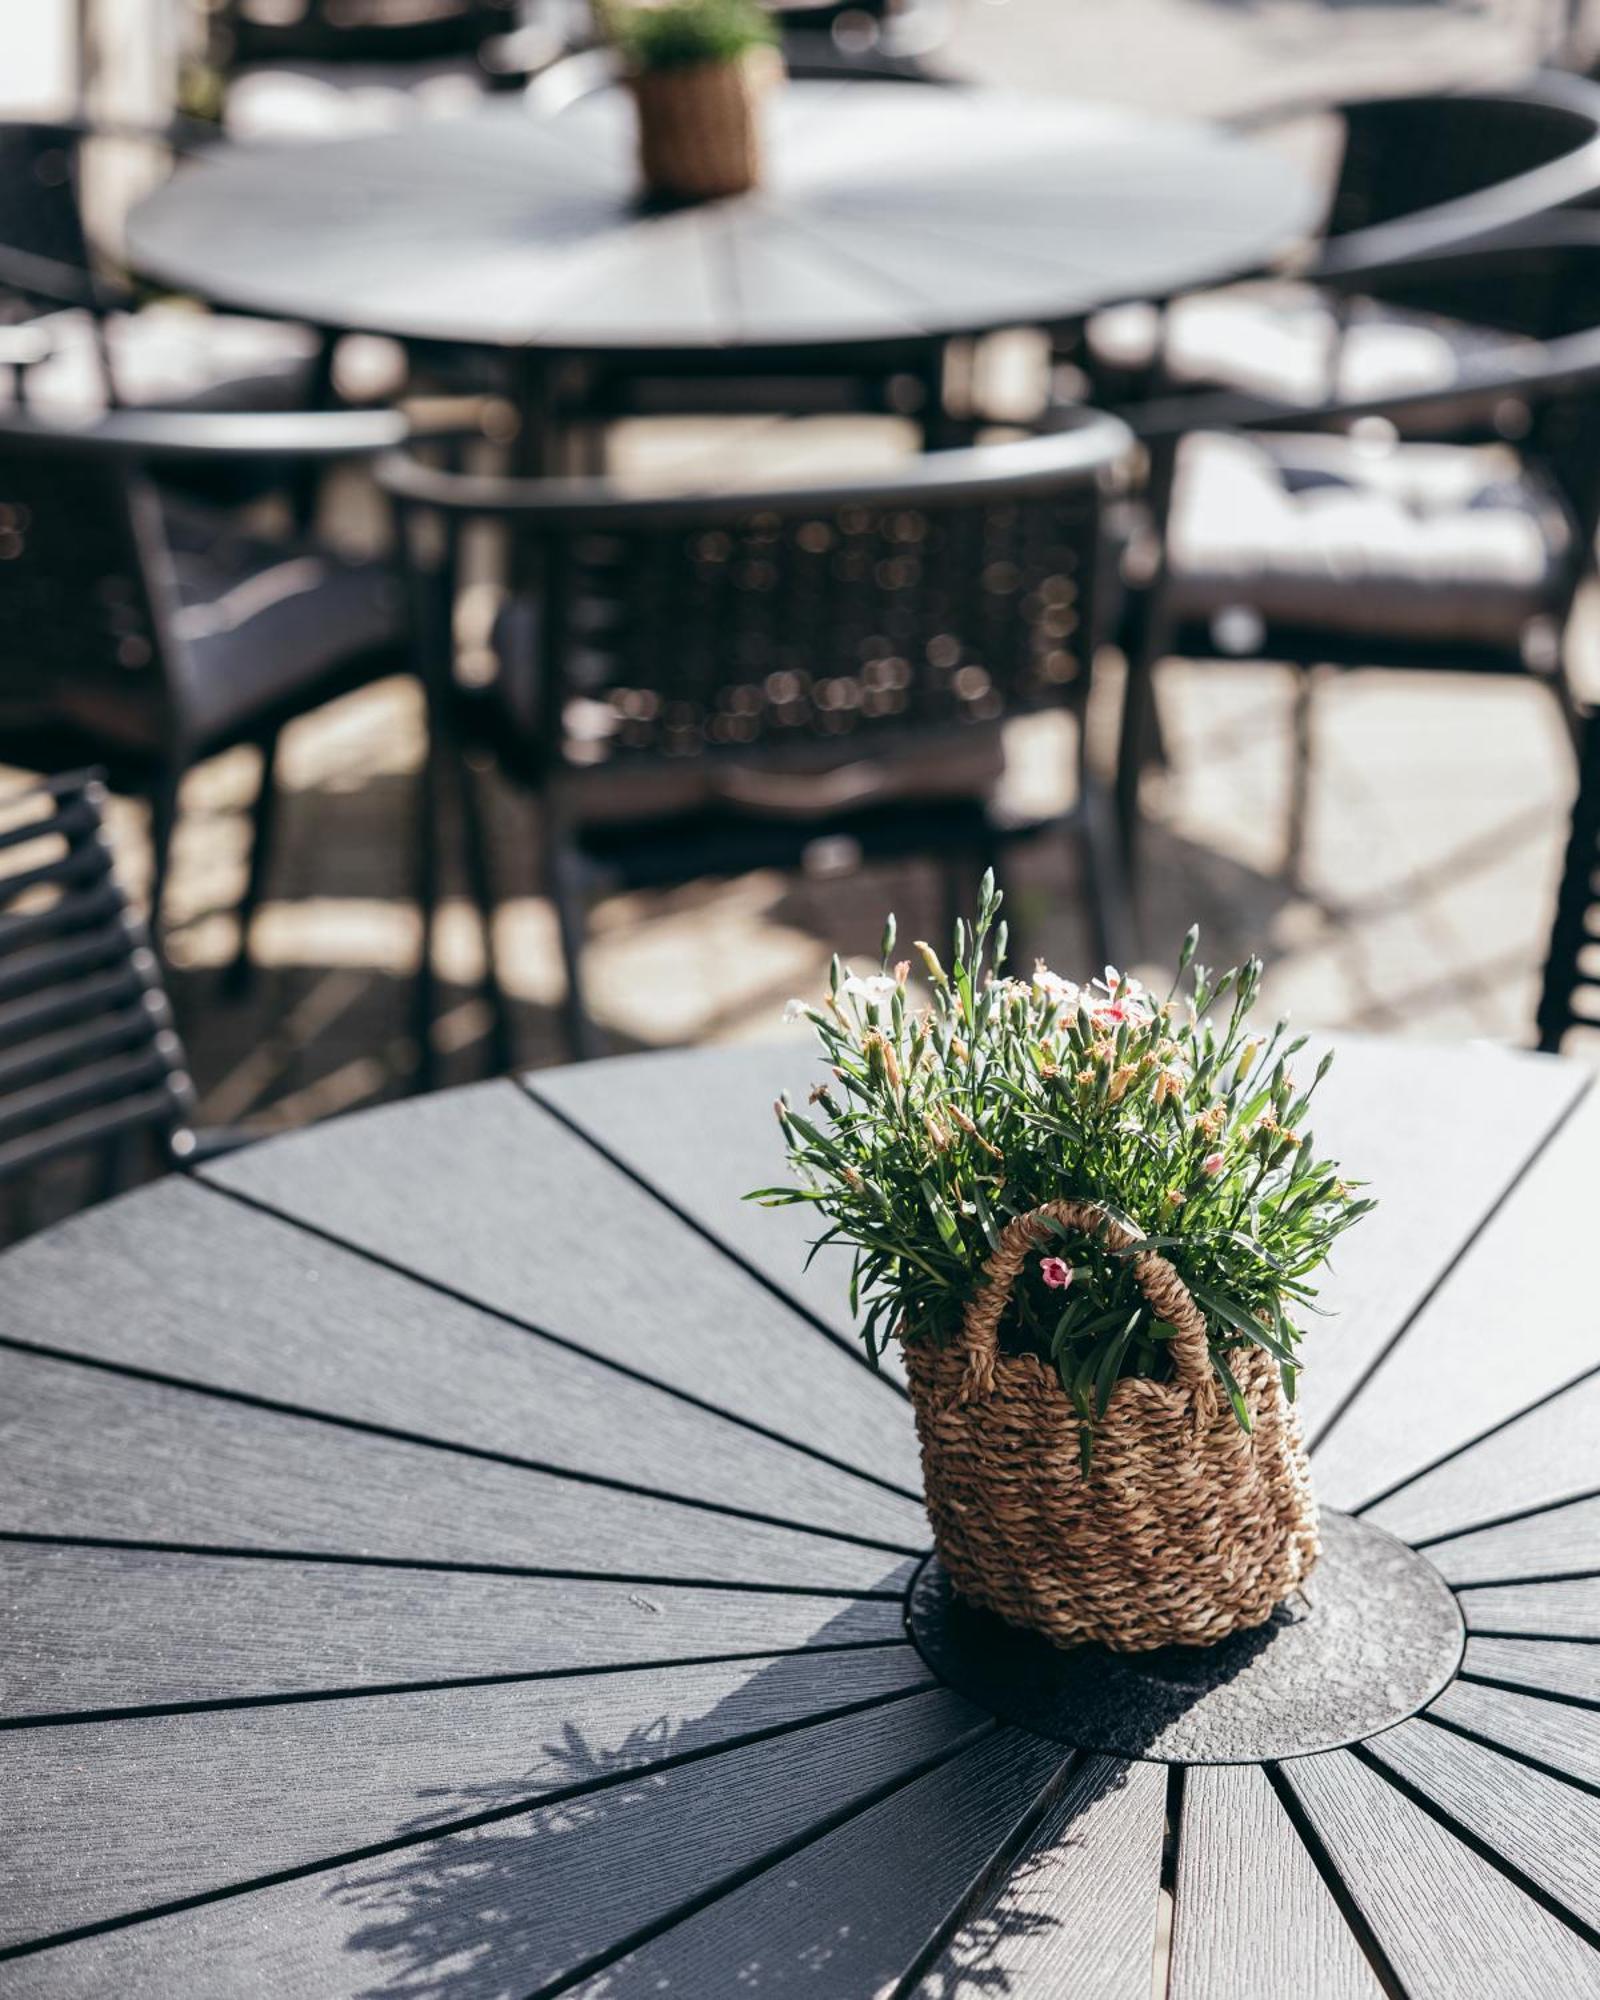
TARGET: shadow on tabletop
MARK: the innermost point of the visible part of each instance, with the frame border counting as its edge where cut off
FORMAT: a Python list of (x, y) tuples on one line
[(559, 1894)]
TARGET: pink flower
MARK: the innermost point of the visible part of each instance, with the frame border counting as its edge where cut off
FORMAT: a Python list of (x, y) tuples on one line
[(1056, 1272), (1212, 1164)]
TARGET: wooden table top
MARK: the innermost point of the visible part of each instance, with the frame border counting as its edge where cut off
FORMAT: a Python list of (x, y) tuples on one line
[(890, 213), (456, 1550)]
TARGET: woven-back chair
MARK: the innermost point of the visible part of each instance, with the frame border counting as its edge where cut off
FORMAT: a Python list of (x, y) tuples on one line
[(1571, 995), (89, 1060), (702, 684)]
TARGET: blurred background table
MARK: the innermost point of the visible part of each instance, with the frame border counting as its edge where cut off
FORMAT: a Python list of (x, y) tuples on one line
[(894, 218)]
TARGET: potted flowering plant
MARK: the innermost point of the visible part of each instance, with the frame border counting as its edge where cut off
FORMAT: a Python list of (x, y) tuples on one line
[(1093, 1218), (698, 70)]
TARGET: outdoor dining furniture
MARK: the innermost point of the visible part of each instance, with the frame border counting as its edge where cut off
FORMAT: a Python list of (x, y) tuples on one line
[(702, 683), (1281, 540), (1415, 176), (324, 68), (462, 1549), (89, 1061), (102, 352), (1570, 997), (145, 633), (893, 219)]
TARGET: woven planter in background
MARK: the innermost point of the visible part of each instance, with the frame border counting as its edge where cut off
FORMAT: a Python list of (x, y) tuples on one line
[(700, 128), (1187, 1528)]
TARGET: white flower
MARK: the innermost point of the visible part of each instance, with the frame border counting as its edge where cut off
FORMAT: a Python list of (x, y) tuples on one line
[(877, 988), (796, 1010), (1063, 991)]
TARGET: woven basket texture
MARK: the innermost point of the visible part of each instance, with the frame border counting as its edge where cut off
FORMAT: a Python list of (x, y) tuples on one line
[(700, 128), (1187, 1528)]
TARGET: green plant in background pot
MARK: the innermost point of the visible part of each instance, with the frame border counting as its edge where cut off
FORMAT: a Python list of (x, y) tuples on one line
[(699, 70), (1094, 1219)]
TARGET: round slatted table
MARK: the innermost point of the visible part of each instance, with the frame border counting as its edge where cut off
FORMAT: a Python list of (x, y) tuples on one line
[(890, 214), (459, 1551)]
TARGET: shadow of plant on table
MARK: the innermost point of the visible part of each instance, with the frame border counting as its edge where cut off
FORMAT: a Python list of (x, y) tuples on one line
[(665, 1819)]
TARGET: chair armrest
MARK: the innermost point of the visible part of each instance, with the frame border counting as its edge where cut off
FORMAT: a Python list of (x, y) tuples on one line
[(187, 435)]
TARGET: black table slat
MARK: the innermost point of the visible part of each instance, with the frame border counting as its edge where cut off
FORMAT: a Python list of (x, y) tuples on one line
[(856, 1910), (1381, 1273), (1077, 1913), (1451, 1377), (633, 1107), (1548, 1666), (485, 1192), (90, 1454), (152, 1284), (1540, 1825), (90, 1629), (1553, 1733), (107, 1818), (1252, 1918), (514, 1905), (1557, 1541), (1539, 1610), (1448, 1921), (1539, 1459)]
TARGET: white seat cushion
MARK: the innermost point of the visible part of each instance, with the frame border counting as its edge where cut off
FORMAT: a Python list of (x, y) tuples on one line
[(1407, 541), (1283, 342), (175, 357)]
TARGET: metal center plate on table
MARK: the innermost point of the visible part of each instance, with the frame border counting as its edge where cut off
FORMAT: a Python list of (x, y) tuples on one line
[(890, 213), (459, 1550)]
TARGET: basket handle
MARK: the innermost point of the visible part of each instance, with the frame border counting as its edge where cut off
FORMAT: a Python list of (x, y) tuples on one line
[(1160, 1283)]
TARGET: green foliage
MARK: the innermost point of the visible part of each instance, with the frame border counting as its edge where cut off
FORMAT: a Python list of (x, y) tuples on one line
[(941, 1123), (678, 34)]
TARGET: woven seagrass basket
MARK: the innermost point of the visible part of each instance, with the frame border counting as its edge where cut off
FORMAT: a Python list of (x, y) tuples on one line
[(1187, 1527), (700, 127)]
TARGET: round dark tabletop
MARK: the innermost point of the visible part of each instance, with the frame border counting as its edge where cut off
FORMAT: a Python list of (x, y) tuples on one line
[(889, 213), (458, 1551)]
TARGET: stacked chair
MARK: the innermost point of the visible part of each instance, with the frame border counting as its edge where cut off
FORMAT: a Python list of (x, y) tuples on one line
[(697, 686)]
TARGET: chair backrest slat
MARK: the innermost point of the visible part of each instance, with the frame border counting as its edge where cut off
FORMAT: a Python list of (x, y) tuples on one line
[(87, 1050), (1571, 995)]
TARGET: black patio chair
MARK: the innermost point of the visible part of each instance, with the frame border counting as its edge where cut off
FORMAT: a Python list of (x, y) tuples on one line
[(89, 1060), (333, 66), (144, 634), (704, 684), (107, 349), (1571, 993), (1281, 540), (1416, 176)]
